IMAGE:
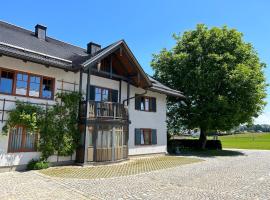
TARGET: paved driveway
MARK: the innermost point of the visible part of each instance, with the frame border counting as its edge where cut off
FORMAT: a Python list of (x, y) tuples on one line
[(236, 177)]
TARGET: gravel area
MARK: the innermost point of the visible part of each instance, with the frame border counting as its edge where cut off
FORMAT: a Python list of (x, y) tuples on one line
[(244, 177)]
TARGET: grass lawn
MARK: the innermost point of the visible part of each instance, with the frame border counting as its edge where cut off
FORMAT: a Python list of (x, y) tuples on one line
[(246, 141)]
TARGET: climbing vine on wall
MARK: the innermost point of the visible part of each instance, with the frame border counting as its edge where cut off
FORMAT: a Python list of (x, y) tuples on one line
[(59, 131), (24, 114), (57, 125)]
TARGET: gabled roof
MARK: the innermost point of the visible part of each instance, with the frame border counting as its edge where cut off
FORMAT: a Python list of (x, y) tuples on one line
[(23, 44), (110, 49)]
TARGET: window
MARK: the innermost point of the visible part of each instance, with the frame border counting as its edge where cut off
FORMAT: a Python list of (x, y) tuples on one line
[(26, 84), (104, 137), (21, 140), (34, 88), (6, 81), (90, 136), (145, 136), (98, 93), (144, 103), (119, 136), (47, 88), (103, 94), (21, 83)]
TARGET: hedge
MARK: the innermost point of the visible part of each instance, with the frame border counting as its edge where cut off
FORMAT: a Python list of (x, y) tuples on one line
[(192, 144)]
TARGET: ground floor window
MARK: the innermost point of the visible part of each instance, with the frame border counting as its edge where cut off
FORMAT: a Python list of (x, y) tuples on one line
[(21, 140), (104, 136), (145, 136)]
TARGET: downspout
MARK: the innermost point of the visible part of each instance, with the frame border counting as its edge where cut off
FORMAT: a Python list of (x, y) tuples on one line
[(138, 95)]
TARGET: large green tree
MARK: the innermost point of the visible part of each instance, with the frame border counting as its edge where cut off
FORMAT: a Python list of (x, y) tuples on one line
[(220, 74)]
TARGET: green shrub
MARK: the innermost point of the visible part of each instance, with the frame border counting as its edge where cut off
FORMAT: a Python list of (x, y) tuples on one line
[(192, 144), (37, 165)]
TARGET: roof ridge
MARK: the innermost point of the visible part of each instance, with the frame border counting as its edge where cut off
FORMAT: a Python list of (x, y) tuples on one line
[(32, 32)]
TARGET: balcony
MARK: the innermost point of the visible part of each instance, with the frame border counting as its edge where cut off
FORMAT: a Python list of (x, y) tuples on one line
[(104, 111)]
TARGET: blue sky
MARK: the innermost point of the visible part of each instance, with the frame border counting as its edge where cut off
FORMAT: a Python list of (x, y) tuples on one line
[(146, 25)]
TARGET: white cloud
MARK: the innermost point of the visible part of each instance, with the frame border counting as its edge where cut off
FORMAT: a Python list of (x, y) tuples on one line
[(264, 118)]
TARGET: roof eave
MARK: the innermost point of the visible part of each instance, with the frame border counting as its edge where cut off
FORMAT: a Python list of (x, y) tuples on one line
[(37, 57), (168, 92)]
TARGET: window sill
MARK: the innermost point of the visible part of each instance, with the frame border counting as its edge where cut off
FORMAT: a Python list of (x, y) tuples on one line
[(17, 95), (23, 151), (146, 111)]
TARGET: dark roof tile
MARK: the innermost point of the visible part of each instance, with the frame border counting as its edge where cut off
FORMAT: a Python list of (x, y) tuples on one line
[(23, 38)]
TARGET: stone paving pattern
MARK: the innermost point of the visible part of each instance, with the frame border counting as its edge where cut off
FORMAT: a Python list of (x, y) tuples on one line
[(131, 167), (244, 177)]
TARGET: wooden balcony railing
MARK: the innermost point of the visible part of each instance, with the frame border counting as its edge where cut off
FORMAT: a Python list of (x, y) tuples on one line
[(105, 110)]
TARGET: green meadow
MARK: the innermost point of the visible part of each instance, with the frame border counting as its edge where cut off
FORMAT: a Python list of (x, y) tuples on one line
[(246, 141)]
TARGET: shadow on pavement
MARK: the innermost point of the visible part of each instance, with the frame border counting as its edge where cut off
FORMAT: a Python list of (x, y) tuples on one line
[(210, 153)]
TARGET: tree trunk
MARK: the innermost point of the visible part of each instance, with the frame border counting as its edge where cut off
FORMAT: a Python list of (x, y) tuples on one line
[(203, 138)]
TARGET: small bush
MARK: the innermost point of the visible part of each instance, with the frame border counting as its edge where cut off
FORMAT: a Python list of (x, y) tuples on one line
[(192, 144), (213, 145), (37, 165)]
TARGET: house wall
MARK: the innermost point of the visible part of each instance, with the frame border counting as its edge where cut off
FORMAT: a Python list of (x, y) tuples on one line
[(11, 159), (153, 120), (139, 119)]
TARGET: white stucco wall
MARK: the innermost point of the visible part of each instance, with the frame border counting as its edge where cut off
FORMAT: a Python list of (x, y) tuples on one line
[(10, 159), (153, 120)]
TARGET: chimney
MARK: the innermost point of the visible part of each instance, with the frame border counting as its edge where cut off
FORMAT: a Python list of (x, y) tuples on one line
[(40, 31), (93, 47)]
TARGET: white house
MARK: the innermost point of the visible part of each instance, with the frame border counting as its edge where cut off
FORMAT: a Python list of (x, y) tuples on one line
[(124, 112)]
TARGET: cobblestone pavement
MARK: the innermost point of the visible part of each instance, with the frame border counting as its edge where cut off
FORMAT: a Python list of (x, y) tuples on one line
[(241, 177)]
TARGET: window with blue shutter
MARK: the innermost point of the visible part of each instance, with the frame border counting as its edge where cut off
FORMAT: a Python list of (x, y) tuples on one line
[(144, 103), (145, 136)]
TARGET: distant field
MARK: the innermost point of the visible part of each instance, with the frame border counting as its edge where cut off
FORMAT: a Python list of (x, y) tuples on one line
[(246, 141)]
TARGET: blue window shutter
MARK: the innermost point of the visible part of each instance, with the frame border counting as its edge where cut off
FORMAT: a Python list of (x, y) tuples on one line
[(137, 136), (137, 102), (115, 96), (154, 104), (92, 93), (154, 136)]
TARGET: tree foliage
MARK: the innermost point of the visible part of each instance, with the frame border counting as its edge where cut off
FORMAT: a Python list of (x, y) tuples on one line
[(220, 74)]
